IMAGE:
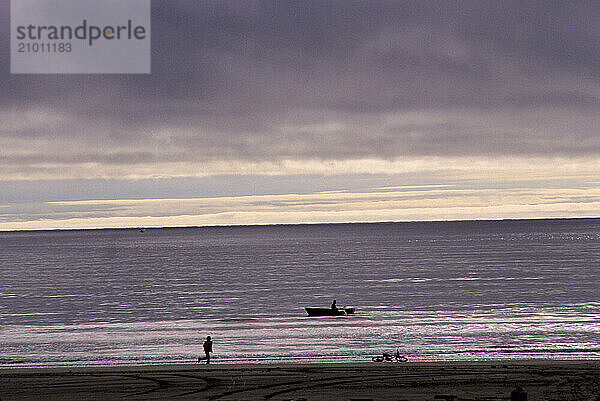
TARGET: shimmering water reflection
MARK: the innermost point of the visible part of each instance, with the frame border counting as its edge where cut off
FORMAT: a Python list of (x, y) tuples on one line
[(437, 291)]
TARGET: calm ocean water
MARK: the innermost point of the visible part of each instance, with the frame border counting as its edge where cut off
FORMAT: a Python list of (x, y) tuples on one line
[(437, 291)]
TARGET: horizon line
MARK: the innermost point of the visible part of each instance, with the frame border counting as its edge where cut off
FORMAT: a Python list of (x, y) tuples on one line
[(482, 220)]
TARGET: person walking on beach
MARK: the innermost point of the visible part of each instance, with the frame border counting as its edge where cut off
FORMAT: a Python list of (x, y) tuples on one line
[(333, 306), (207, 350)]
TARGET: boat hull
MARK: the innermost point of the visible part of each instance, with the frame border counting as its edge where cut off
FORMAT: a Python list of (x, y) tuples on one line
[(329, 311)]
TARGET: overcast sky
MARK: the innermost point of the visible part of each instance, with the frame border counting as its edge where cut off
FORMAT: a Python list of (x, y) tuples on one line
[(315, 111)]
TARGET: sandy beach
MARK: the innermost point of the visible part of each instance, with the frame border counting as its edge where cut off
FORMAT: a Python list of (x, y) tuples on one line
[(542, 380)]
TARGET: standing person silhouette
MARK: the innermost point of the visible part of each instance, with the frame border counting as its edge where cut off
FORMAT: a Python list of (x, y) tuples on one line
[(333, 306), (207, 350)]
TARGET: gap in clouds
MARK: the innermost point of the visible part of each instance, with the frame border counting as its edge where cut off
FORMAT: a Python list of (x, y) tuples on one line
[(260, 200)]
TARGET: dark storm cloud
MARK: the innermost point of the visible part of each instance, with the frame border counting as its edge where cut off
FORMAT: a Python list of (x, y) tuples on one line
[(324, 79)]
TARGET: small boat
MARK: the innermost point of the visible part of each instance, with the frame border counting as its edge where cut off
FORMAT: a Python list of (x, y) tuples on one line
[(346, 310)]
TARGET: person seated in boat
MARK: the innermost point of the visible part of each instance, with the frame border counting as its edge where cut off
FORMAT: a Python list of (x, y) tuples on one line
[(334, 306)]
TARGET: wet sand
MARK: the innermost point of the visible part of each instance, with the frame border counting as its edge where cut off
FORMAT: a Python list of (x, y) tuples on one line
[(543, 380)]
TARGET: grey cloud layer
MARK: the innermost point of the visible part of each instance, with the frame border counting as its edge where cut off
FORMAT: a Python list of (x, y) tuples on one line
[(326, 80)]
